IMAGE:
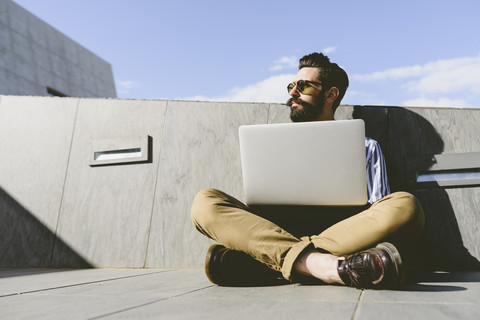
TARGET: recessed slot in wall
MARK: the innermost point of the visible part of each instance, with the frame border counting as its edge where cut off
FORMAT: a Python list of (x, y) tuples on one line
[(117, 154), (55, 93), (444, 170), (120, 151), (450, 176)]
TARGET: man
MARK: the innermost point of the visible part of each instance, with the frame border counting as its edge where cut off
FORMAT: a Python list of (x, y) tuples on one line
[(255, 246)]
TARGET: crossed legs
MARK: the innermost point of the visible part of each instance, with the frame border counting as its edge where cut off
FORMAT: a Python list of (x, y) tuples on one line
[(232, 224)]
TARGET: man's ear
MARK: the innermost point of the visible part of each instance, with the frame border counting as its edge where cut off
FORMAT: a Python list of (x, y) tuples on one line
[(332, 94)]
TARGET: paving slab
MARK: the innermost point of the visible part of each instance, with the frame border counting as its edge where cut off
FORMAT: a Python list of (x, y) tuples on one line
[(414, 311), (461, 288), (96, 297), (187, 294), (20, 281), (440, 295), (282, 302)]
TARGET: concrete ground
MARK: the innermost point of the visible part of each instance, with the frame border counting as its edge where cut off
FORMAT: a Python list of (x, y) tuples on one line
[(187, 294)]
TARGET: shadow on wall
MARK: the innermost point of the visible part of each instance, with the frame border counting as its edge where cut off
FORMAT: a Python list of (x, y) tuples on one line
[(26, 242), (404, 134)]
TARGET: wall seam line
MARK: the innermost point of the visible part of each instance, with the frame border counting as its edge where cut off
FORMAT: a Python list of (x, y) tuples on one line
[(268, 113), (156, 184), (64, 182)]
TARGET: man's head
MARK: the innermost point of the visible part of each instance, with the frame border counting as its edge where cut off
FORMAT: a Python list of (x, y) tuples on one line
[(318, 88)]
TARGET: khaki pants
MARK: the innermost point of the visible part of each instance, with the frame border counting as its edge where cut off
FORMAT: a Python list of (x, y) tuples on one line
[(276, 235)]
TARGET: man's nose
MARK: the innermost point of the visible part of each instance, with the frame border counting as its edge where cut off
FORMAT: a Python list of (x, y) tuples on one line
[(294, 92)]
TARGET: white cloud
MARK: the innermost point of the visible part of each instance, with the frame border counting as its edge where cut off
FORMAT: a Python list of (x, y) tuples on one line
[(440, 75), (329, 50), (442, 102), (390, 74), (124, 87), (284, 63), (273, 89), (447, 82), (353, 97), (446, 78), (292, 61)]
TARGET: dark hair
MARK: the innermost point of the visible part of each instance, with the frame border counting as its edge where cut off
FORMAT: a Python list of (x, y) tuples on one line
[(331, 75)]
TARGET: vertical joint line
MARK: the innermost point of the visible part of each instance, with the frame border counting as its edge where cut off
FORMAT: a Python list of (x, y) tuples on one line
[(159, 154), (387, 127), (64, 182), (268, 113), (357, 307)]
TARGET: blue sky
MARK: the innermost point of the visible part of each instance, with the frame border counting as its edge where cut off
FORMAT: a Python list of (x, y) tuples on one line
[(401, 53)]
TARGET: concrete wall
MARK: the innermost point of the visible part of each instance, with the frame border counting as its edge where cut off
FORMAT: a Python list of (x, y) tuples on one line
[(57, 210), (34, 56)]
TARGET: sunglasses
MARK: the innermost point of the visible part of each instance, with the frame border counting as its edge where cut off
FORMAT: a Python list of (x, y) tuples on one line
[(303, 86)]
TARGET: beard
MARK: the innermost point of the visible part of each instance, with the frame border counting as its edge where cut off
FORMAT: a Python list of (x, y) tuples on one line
[(305, 111)]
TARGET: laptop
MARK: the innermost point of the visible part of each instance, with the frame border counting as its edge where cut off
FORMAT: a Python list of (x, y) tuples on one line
[(321, 163)]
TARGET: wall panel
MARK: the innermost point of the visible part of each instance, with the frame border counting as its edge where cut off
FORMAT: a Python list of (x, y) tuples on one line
[(35, 139), (200, 149), (106, 210)]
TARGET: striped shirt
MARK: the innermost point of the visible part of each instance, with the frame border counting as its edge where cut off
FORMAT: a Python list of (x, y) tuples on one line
[(377, 180)]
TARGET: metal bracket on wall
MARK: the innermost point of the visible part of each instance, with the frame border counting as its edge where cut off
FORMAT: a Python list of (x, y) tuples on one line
[(444, 170), (120, 151)]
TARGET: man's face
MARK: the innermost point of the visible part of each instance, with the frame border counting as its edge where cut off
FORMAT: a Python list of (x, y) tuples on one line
[(306, 106)]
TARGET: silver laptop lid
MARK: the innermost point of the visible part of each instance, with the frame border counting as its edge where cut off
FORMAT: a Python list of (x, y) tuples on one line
[(308, 163)]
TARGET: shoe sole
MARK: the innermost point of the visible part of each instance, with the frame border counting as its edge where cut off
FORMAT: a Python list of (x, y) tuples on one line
[(396, 259), (212, 251)]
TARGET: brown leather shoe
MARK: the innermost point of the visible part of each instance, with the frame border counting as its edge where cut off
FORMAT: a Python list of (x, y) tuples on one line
[(227, 267), (379, 268)]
